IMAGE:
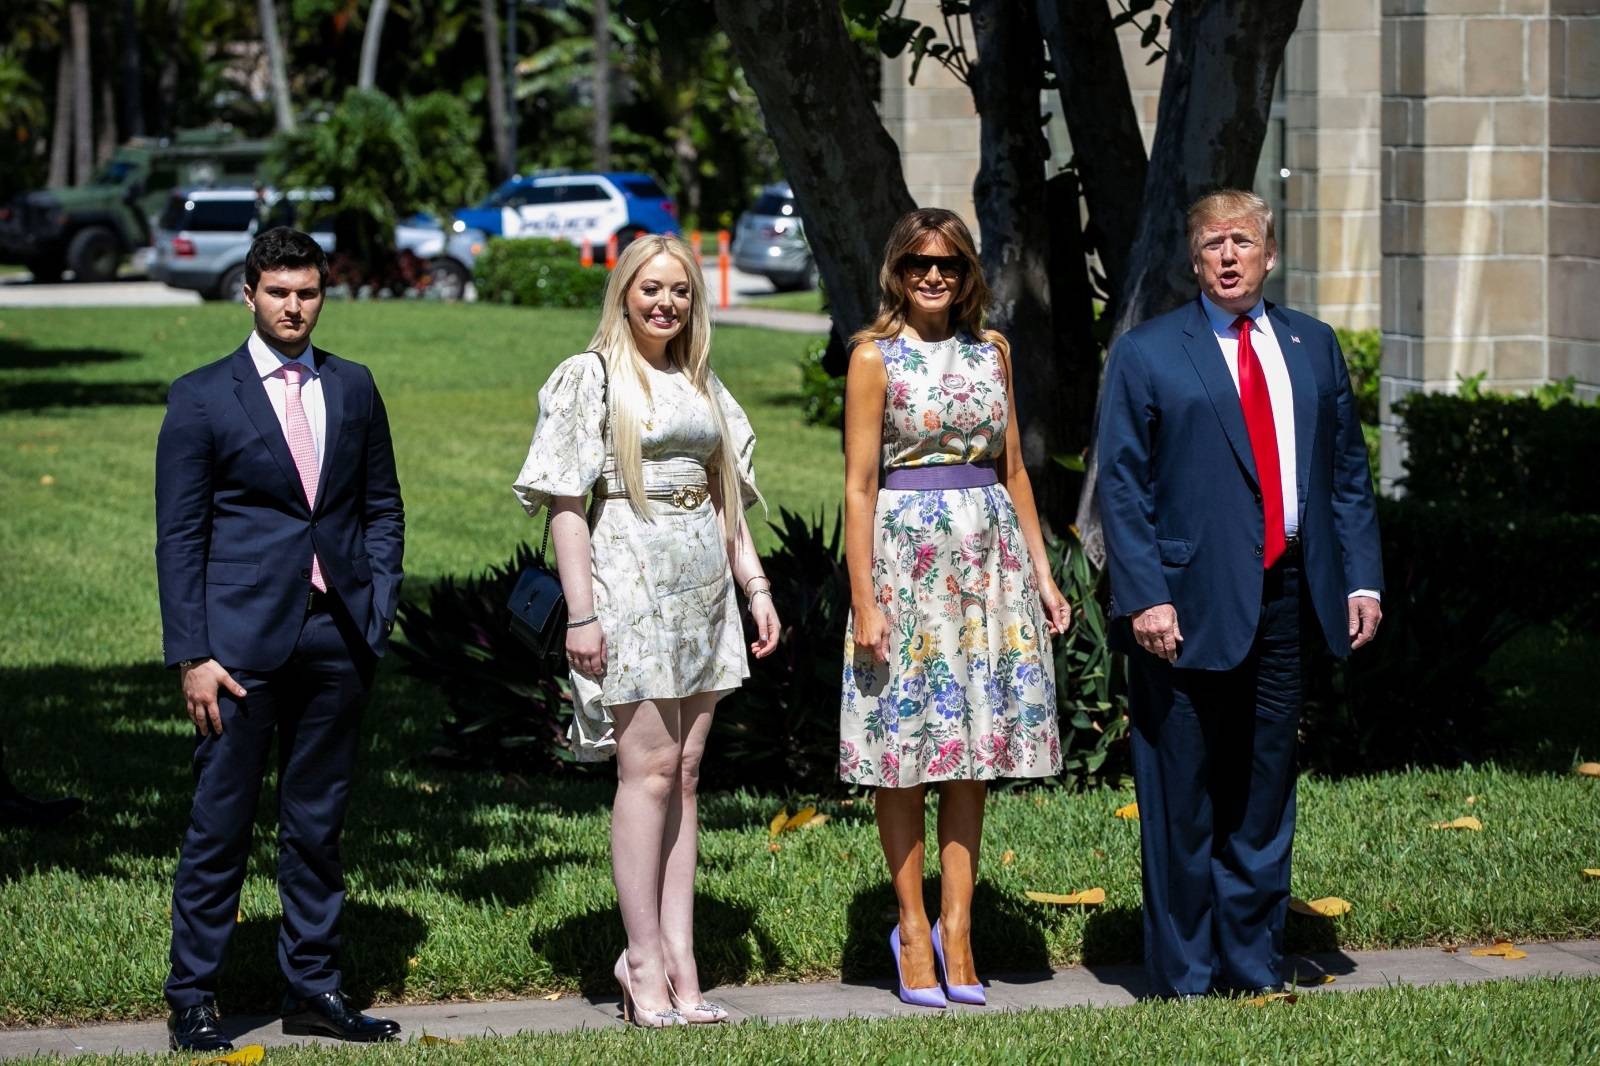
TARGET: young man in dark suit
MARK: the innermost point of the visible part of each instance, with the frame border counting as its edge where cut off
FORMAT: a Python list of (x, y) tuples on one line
[(279, 535), (1239, 521)]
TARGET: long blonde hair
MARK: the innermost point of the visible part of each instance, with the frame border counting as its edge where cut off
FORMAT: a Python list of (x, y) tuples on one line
[(972, 295), (689, 351)]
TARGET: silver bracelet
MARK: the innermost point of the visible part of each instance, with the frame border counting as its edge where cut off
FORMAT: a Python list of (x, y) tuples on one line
[(752, 581), (759, 592), (583, 621)]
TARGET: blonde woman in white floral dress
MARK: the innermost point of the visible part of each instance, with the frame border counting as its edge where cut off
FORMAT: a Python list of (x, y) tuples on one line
[(948, 673), (654, 637)]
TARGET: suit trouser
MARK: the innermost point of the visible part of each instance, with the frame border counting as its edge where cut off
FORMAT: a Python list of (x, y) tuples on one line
[(313, 703), (1214, 770)]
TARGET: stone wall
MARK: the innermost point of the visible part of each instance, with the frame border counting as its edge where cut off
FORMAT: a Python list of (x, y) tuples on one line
[(1491, 243)]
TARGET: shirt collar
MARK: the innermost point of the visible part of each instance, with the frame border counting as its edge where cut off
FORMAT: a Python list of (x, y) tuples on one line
[(268, 359), (1222, 320)]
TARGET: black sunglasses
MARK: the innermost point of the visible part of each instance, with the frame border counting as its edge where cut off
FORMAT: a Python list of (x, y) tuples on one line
[(950, 266)]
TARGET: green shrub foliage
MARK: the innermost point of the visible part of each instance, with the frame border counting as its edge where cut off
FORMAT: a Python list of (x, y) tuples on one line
[(1510, 455), (1460, 582), (822, 392), (536, 272)]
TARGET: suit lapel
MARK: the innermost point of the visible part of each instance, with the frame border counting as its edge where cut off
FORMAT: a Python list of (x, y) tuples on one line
[(333, 418), (1303, 386), (253, 398), (1201, 346)]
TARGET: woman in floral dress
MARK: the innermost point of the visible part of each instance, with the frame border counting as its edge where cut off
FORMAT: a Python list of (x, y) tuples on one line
[(654, 638), (948, 672)]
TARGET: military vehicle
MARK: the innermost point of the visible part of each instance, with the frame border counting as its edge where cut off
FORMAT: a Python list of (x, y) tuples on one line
[(90, 229)]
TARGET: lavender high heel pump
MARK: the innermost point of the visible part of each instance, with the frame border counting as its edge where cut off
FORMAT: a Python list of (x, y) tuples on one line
[(972, 995), (917, 997)]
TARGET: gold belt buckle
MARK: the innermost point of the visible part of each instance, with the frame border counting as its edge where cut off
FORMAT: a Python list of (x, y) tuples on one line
[(689, 497)]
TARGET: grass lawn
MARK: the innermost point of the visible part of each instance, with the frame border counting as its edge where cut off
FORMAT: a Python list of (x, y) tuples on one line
[(469, 886), (1536, 1022), (804, 300)]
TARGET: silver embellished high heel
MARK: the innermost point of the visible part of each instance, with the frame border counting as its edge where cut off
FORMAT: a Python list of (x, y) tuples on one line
[(708, 1013), (637, 1015)]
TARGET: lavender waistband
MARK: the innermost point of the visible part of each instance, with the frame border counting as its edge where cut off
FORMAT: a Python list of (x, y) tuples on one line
[(941, 476)]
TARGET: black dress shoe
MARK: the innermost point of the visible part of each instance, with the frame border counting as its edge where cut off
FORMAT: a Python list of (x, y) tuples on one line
[(195, 1029), (329, 1015)]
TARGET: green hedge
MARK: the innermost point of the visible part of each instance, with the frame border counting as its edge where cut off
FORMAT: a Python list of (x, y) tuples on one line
[(1508, 455), (535, 272)]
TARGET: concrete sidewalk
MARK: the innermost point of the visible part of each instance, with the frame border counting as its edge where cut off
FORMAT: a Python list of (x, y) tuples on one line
[(1097, 986)]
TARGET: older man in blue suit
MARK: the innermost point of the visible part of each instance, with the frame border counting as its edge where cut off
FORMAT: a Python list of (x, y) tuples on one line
[(1239, 522), (279, 534)]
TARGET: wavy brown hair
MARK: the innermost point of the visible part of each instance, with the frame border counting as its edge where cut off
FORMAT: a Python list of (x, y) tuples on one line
[(972, 295)]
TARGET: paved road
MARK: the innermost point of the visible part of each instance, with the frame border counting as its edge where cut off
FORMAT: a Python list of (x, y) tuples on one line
[(1095, 986), (19, 290)]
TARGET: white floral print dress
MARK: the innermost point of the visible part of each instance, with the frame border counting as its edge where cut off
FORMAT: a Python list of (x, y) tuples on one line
[(968, 692), (663, 588)]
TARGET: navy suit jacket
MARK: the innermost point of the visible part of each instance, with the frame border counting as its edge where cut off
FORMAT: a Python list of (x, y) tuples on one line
[(234, 534), (1180, 502)]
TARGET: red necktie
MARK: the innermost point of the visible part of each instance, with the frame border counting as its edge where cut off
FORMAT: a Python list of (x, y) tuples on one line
[(1257, 404)]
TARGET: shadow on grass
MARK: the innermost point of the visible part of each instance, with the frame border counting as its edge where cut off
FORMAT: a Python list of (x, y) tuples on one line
[(20, 355), (64, 392), (586, 947), (1006, 937)]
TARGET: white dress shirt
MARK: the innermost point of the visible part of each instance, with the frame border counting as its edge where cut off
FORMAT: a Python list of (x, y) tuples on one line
[(268, 361), (1279, 391)]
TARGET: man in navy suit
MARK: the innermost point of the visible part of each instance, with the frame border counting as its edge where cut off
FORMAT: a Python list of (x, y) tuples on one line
[(279, 534), (1239, 521)]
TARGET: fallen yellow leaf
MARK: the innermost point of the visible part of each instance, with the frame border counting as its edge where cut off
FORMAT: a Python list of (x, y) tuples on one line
[(779, 820), (1591, 871), (47, 480), (1471, 800), (429, 1040), (1326, 907), (248, 1055), (1089, 897), (1129, 811), (816, 820), (1008, 858), (1589, 769), (1502, 949), (1466, 821), (411, 963), (801, 817), (1273, 997), (552, 997)]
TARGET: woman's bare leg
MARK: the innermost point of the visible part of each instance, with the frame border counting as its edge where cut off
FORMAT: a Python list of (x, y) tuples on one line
[(900, 817), (679, 849), (960, 831), (649, 743)]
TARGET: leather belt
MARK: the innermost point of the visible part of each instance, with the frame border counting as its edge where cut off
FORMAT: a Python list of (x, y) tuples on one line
[(687, 497)]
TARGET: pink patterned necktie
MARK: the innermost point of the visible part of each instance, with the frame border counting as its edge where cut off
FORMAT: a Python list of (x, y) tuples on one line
[(303, 446)]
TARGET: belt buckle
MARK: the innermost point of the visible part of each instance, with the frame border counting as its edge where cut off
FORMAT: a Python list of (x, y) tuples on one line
[(689, 497)]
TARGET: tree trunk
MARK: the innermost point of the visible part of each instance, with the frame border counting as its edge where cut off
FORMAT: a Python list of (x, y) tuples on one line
[(496, 90), (841, 162), (371, 42), (167, 83), (82, 95), (1010, 198), (277, 66), (1108, 149), (129, 70), (106, 137), (61, 128), (602, 85), (1222, 61)]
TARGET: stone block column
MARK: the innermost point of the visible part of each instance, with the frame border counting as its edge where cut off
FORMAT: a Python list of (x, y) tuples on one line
[(1466, 225), (1330, 232), (1574, 186)]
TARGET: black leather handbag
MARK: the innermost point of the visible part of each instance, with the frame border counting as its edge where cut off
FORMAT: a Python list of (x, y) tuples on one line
[(538, 607)]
